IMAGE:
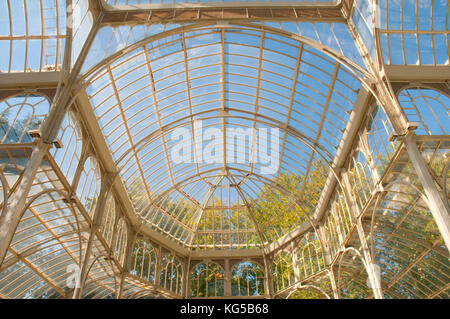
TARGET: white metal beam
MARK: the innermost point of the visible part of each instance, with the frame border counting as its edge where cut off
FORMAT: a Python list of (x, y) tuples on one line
[(26, 80), (417, 73)]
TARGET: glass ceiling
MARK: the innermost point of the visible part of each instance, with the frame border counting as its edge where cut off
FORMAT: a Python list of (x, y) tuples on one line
[(32, 42), (414, 32), (227, 78), (226, 135)]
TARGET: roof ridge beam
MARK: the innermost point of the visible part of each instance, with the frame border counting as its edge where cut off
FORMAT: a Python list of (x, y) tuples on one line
[(229, 11)]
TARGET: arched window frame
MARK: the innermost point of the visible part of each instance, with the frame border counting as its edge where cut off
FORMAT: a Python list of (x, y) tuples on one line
[(309, 255), (71, 138), (282, 271), (88, 188), (171, 273), (15, 128), (209, 274), (240, 279), (120, 242), (143, 261), (108, 219)]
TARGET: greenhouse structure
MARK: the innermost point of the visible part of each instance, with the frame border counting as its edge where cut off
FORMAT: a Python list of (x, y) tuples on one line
[(224, 149)]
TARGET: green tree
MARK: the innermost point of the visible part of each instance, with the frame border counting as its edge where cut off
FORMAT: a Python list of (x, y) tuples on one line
[(279, 212)]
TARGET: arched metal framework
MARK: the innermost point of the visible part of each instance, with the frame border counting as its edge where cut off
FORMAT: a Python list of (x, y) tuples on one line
[(224, 149)]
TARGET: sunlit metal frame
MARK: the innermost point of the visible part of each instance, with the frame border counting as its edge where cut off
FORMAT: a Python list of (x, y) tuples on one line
[(340, 203)]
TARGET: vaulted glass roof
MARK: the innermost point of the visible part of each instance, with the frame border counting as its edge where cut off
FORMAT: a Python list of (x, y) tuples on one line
[(285, 149), (227, 78)]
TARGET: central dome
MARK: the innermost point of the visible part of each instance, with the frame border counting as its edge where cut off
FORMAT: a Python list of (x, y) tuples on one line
[(209, 124)]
